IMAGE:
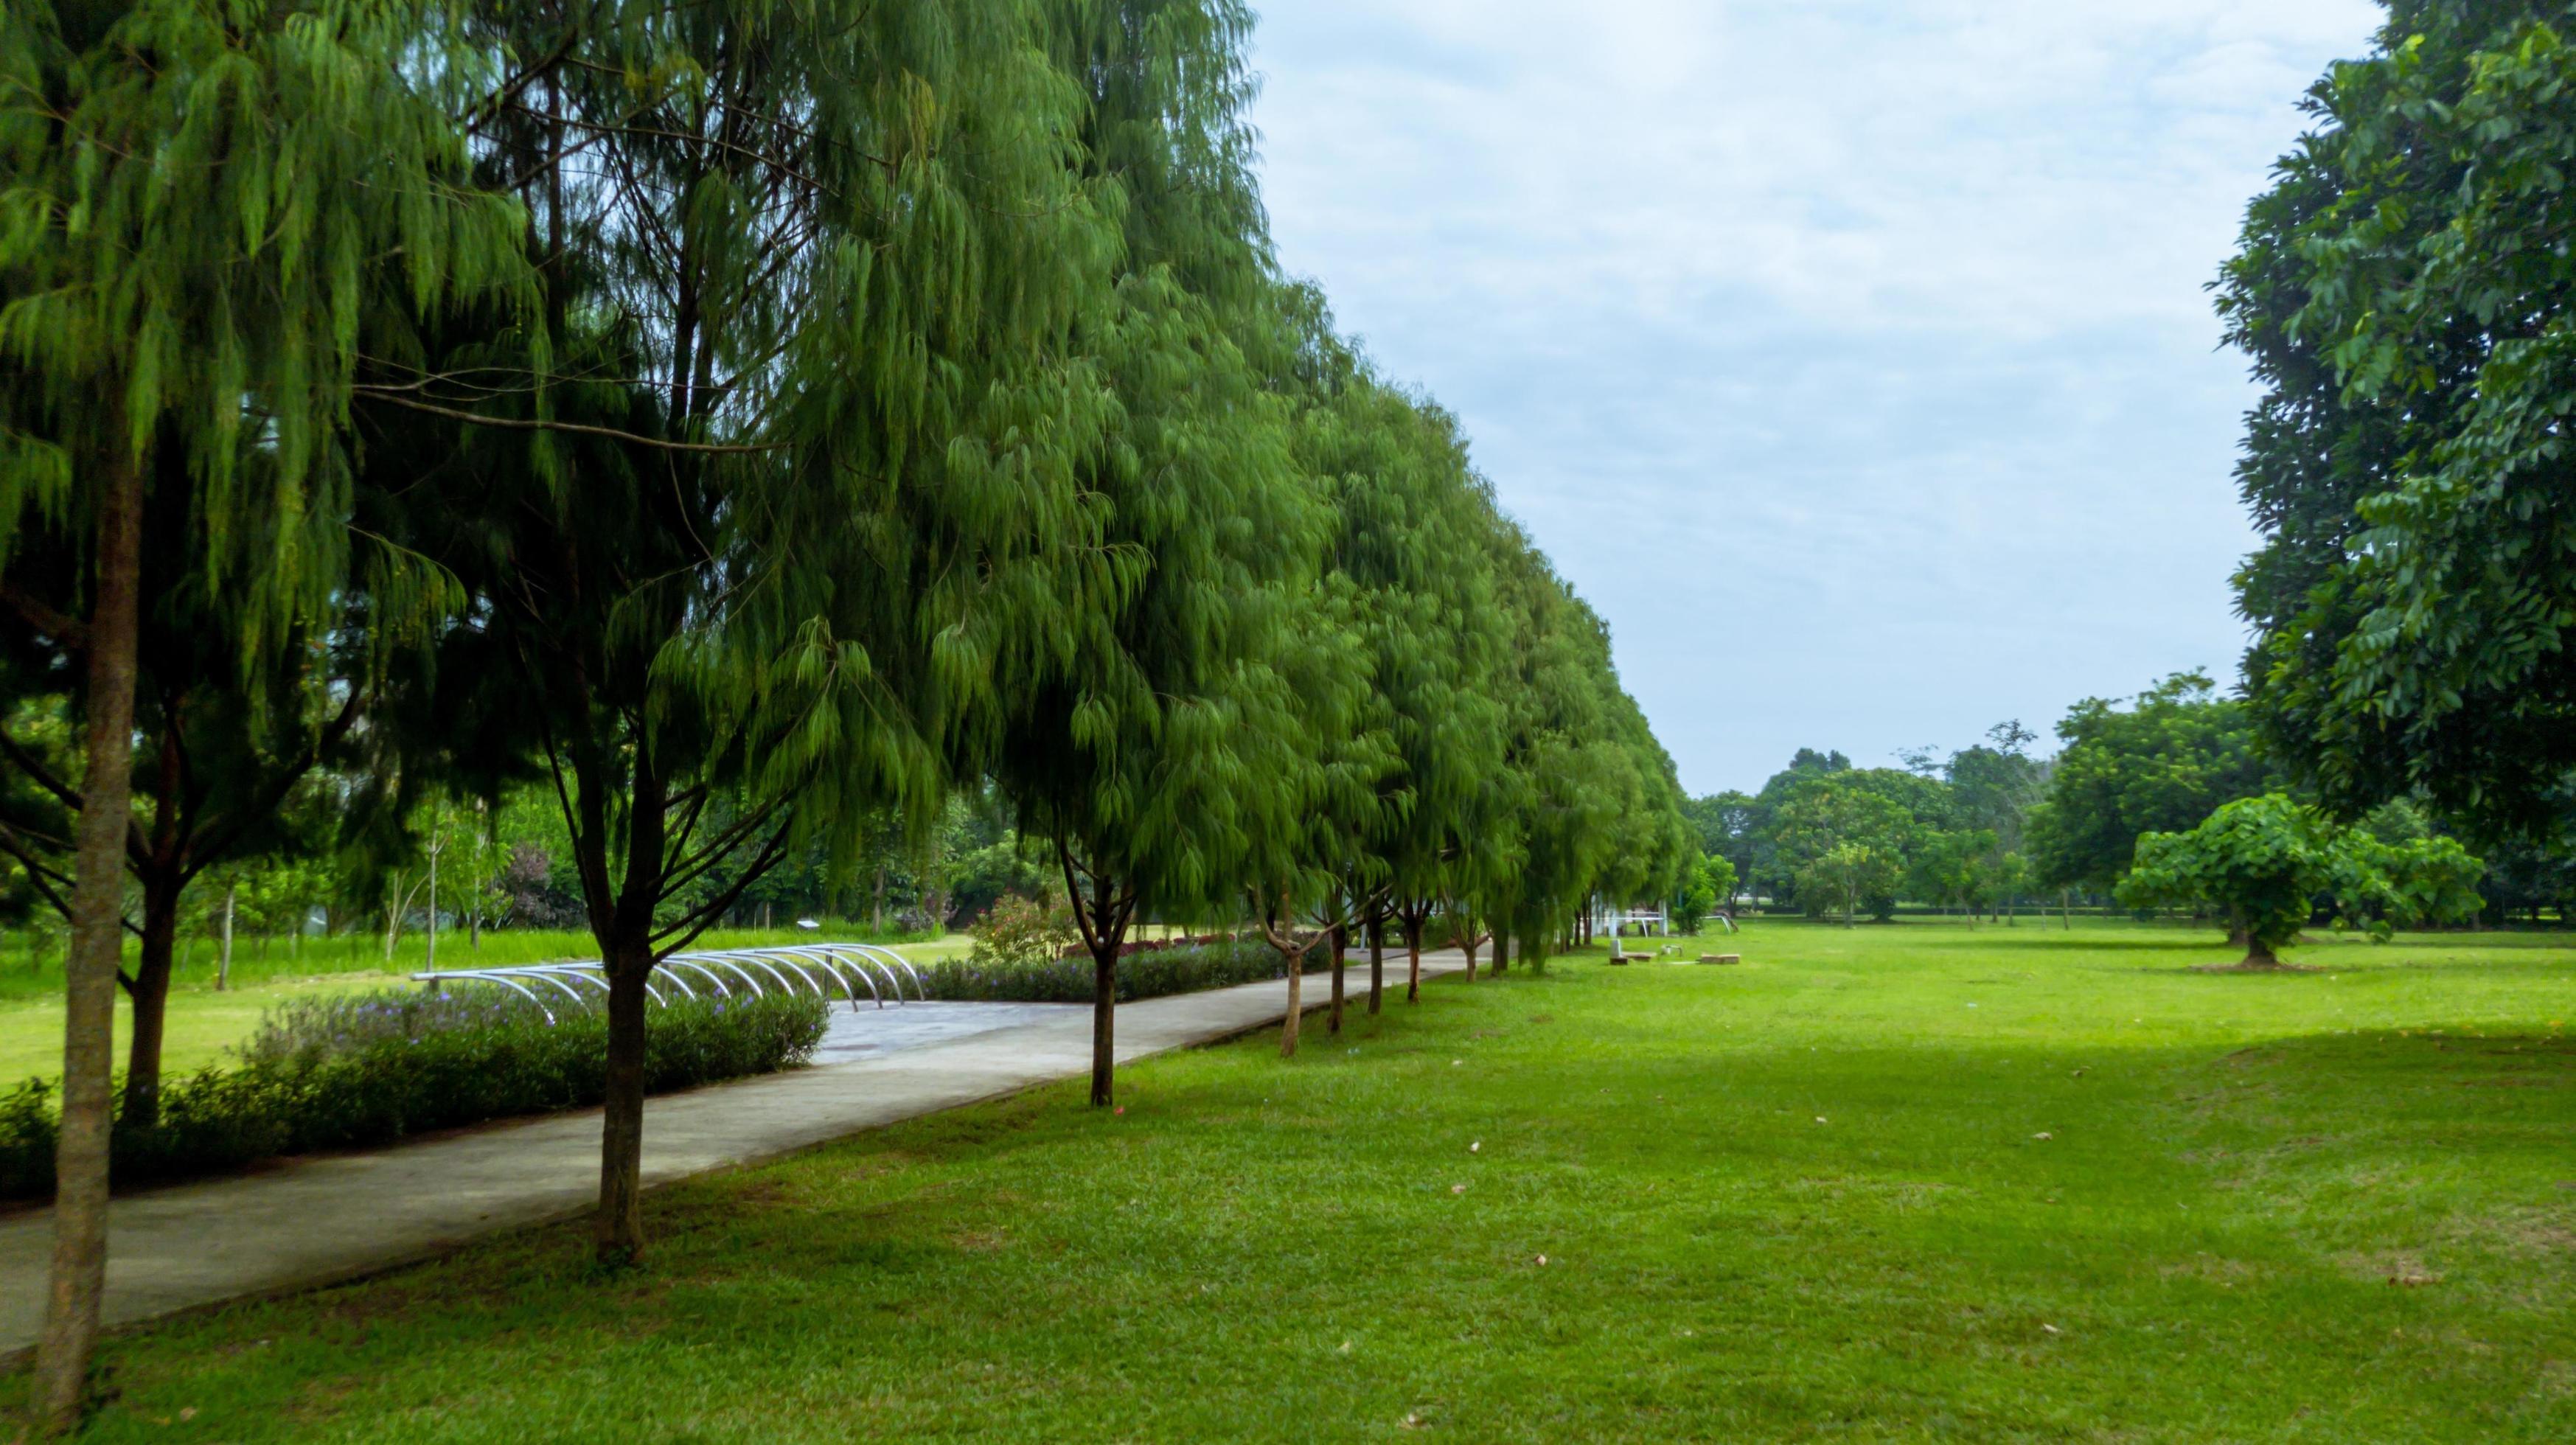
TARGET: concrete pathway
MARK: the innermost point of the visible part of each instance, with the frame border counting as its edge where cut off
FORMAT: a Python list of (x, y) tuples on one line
[(335, 1217)]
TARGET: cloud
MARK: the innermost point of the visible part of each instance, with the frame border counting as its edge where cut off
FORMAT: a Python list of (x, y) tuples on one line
[(1852, 358)]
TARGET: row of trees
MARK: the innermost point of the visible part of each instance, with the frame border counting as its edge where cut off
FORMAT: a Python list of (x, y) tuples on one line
[(1841, 841), (2166, 800), (748, 427)]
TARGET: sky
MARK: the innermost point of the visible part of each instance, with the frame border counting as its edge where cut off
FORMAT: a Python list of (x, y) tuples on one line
[(1852, 357)]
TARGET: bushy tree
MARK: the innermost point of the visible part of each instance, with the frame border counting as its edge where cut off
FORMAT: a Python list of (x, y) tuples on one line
[(2404, 291), (2266, 863), (2162, 764)]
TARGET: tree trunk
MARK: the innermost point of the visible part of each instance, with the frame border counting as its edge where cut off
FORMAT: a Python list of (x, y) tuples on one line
[(1104, 1021), (1467, 944), (1296, 1003), (431, 962), (149, 996), (78, 1276), (1377, 962), (1413, 959), (617, 1231), (1502, 947), (1341, 946), (224, 960), (393, 918)]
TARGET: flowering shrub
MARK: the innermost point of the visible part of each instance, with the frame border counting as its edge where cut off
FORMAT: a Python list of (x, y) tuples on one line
[(361, 1069), (1145, 973), (1023, 932)]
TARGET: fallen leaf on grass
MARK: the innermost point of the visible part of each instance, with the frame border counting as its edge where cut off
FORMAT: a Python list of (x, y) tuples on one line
[(2052, 1329), (2414, 1281), (1457, 1188), (1478, 1145), (2043, 1134), (1820, 1118)]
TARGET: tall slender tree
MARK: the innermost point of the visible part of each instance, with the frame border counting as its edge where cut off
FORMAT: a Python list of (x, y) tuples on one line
[(211, 211)]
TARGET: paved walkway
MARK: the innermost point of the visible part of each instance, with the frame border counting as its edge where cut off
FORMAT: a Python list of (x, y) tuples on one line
[(331, 1218)]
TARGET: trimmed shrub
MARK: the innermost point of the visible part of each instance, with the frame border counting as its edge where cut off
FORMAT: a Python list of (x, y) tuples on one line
[(362, 1069), (1143, 973)]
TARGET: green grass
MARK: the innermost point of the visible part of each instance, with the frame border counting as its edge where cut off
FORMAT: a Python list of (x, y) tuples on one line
[(1802, 1198), (202, 1023)]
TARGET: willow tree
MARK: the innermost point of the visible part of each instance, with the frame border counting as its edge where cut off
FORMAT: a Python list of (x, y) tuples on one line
[(778, 490), (211, 213), (1395, 470), (1144, 744)]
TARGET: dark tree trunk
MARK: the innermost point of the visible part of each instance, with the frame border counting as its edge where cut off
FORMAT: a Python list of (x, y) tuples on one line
[(1377, 962), (626, 951), (1341, 960), (1467, 944), (1102, 917), (618, 1230), (1502, 947), (1104, 1021), (149, 994), (1413, 957), (77, 1280)]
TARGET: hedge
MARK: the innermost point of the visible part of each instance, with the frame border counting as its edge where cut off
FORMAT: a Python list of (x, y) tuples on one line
[(1146, 973), (362, 1069)]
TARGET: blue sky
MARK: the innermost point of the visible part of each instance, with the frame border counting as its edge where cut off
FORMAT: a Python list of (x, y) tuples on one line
[(1852, 358)]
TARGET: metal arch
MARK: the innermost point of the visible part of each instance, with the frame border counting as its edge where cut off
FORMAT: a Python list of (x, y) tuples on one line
[(918, 986), (796, 961), (840, 969), (546, 973), (729, 965), (845, 961), (772, 970), (589, 973), (485, 976), (866, 961), (712, 978)]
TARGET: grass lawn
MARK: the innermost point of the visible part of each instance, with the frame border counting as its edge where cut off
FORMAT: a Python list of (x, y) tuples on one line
[(202, 1023), (1888, 1183)]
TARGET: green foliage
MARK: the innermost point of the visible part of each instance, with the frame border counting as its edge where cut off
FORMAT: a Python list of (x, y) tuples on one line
[(1144, 971), (1021, 933), (2160, 765), (2404, 292), (1844, 842), (2263, 861), (360, 1069), (2267, 861)]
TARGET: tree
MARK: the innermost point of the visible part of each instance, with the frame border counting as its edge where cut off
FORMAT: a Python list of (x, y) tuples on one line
[(213, 212), (1841, 876), (2265, 862), (1848, 840), (773, 495), (2261, 861), (2160, 765), (1963, 866), (2404, 293)]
